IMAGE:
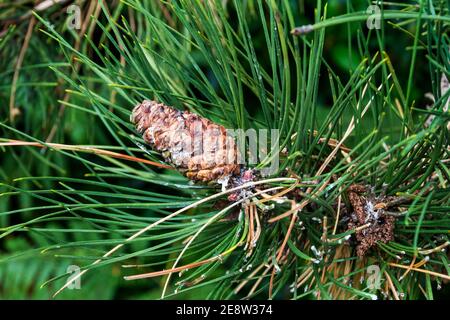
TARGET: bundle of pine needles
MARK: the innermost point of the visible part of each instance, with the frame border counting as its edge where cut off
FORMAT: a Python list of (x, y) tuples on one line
[(358, 208)]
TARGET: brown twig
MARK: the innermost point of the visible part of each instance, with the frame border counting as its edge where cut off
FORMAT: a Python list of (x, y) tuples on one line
[(12, 109), (437, 274), (87, 149)]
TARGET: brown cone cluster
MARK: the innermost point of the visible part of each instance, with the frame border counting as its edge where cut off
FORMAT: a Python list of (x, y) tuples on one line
[(368, 211), (196, 146)]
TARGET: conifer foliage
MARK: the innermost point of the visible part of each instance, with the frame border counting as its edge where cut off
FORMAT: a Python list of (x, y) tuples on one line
[(358, 207)]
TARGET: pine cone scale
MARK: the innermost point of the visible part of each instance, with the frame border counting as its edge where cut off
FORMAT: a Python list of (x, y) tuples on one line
[(194, 145)]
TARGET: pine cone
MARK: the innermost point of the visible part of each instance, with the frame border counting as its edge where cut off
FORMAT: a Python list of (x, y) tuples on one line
[(194, 145)]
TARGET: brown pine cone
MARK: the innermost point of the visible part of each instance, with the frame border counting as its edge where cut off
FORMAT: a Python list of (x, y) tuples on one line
[(369, 209), (194, 145)]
